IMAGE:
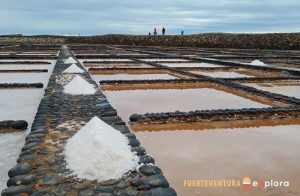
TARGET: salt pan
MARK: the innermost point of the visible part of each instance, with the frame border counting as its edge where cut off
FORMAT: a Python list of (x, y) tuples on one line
[(99, 152), (79, 86), (257, 62), (73, 69), (70, 60)]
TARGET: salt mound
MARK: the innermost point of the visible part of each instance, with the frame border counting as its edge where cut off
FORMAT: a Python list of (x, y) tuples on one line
[(257, 62), (99, 152), (70, 60), (79, 86), (73, 69)]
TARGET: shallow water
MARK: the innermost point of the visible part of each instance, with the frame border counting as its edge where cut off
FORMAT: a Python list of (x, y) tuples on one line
[(128, 102), (98, 78), (154, 60), (292, 91), (10, 145), (18, 104), (26, 67), (222, 74), (259, 153), (191, 65), (117, 65)]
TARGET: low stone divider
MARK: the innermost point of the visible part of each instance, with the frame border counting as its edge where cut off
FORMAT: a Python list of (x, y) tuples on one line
[(13, 126)]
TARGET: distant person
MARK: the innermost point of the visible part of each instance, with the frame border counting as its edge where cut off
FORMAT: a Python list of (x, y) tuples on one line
[(149, 34), (182, 32), (163, 30), (155, 31)]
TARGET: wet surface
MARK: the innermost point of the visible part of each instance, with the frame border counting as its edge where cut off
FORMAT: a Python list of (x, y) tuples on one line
[(161, 60), (19, 104), (10, 145), (117, 65), (98, 78), (191, 65), (292, 91), (258, 153), (129, 102), (222, 74)]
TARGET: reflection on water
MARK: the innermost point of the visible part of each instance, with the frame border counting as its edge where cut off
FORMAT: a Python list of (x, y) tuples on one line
[(98, 78), (221, 74), (259, 153), (293, 91), (169, 100)]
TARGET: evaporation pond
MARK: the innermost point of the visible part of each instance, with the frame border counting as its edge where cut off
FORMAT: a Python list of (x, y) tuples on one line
[(98, 78), (222, 74), (292, 91), (24, 77), (19, 104), (261, 153), (128, 102), (191, 65), (10, 145)]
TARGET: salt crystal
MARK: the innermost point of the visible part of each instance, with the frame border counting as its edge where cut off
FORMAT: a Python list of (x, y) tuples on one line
[(257, 62), (99, 152), (73, 69), (79, 86), (70, 60)]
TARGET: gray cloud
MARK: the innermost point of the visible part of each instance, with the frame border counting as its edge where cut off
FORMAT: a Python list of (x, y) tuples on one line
[(139, 17)]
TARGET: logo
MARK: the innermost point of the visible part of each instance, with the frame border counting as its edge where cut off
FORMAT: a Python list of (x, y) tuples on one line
[(246, 182)]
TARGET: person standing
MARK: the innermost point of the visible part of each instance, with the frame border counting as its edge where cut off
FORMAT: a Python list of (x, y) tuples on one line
[(155, 31), (163, 30), (182, 32)]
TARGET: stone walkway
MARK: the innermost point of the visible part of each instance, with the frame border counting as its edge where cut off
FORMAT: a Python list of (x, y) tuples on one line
[(40, 169)]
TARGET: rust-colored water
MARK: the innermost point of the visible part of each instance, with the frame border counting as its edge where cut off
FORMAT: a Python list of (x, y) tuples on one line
[(266, 153), (169, 100), (221, 74), (98, 78), (293, 91)]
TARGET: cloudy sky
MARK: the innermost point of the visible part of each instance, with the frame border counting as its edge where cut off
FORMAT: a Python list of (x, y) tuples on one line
[(91, 17)]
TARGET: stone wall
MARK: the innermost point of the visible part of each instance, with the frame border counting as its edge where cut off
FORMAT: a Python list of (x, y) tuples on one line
[(209, 40)]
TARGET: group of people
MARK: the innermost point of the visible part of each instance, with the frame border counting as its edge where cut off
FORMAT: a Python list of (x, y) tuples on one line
[(163, 31)]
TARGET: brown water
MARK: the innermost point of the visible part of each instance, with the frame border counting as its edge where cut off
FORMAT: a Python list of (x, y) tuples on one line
[(191, 65), (266, 153), (222, 74), (293, 91), (98, 78), (128, 102), (117, 65)]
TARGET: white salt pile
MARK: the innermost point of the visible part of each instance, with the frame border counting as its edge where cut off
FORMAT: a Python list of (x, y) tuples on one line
[(73, 69), (70, 60), (99, 152), (257, 62), (79, 86)]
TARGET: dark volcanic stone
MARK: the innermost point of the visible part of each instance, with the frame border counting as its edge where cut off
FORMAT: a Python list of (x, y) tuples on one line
[(87, 193), (27, 158), (51, 180), (139, 150), (136, 181), (133, 142), (61, 190), (42, 192), (105, 189), (134, 117), (29, 146), (146, 159), (21, 180), (16, 190), (157, 180), (19, 169), (160, 192), (20, 124), (149, 170)]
